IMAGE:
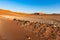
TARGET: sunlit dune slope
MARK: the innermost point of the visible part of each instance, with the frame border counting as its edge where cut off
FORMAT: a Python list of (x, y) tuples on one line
[(30, 17)]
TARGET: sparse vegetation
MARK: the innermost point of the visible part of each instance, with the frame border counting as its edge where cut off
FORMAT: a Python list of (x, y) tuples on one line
[(43, 30)]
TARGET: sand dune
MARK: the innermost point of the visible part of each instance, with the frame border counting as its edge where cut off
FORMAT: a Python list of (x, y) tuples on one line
[(21, 26)]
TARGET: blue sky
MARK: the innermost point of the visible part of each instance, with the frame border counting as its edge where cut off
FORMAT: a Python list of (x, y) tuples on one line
[(31, 6)]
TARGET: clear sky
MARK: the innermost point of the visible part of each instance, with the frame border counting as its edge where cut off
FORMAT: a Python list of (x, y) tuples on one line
[(31, 6)]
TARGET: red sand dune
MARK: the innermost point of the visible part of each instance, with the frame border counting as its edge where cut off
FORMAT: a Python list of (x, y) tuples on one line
[(21, 26)]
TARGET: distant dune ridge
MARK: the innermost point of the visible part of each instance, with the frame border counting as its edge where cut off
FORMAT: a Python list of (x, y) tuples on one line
[(35, 26)]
